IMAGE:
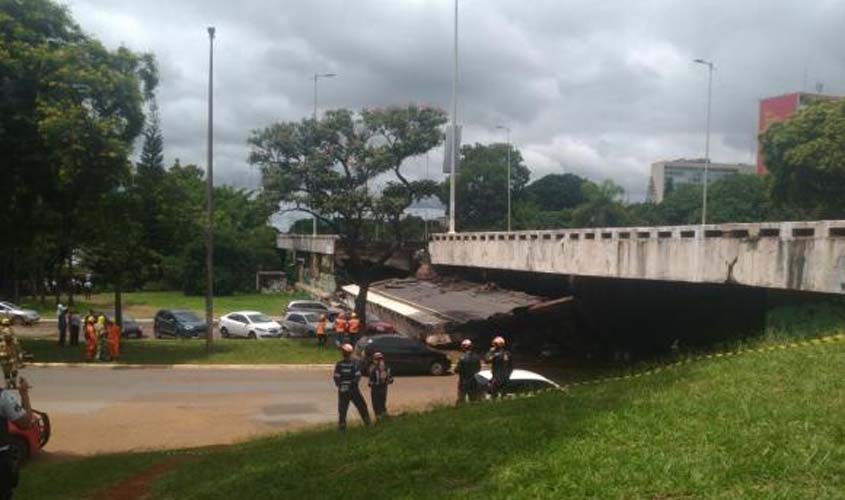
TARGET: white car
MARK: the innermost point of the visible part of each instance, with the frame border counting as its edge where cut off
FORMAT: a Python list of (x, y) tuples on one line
[(521, 381), (18, 315), (249, 324)]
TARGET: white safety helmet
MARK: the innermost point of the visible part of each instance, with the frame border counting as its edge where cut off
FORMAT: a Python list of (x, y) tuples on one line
[(466, 344), (499, 341)]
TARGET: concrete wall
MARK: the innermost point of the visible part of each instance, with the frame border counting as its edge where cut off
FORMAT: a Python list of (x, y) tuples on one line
[(322, 243), (807, 256)]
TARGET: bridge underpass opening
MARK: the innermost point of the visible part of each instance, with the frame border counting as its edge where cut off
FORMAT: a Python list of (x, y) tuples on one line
[(613, 319)]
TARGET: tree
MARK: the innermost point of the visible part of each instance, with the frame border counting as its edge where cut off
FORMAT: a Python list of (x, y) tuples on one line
[(69, 113), (329, 167), (603, 207), (482, 183), (805, 156), (555, 192), (736, 198)]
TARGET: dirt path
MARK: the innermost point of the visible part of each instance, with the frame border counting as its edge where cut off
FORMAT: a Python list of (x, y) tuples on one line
[(137, 486)]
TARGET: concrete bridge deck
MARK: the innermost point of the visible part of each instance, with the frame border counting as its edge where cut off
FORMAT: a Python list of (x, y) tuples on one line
[(805, 256)]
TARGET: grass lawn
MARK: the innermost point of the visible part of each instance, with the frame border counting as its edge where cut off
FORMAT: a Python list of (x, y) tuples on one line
[(760, 425), (166, 352), (145, 304)]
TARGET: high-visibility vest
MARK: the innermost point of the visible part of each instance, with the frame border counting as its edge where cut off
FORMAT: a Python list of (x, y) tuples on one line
[(354, 326), (321, 327), (340, 325)]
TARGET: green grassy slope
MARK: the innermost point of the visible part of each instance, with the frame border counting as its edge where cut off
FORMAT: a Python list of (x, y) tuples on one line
[(759, 425)]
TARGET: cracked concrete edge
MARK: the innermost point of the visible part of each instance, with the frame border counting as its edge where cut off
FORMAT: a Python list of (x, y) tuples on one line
[(185, 366)]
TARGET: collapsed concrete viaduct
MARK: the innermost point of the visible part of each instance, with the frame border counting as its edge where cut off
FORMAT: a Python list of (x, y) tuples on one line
[(802, 256)]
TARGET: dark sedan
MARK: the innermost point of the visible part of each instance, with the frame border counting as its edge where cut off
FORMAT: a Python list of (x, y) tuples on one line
[(178, 323), (130, 329), (403, 354)]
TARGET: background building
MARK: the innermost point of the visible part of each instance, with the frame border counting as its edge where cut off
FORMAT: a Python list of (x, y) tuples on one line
[(780, 108), (682, 171)]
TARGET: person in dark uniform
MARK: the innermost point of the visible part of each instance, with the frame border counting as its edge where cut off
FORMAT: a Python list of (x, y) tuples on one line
[(20, 413), (347, 374), (501, 367), (468, 367), (380, 378)]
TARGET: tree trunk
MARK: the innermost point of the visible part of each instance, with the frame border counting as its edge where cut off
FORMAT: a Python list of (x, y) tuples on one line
[(118, 301), (361, 300)]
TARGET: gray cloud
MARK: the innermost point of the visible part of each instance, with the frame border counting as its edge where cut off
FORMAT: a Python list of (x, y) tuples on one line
[(598, 88)]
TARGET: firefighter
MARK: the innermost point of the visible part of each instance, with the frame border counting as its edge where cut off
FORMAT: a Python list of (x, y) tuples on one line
[(11, 355), (501, 367), (113, 336), (90, 338), (468, 367), (340, 329), (354, 328), (101, 334), (321, 331), (380, 378), (347, 374)]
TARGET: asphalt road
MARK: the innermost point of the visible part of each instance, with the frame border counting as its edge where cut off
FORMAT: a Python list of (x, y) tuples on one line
[(97, 410)]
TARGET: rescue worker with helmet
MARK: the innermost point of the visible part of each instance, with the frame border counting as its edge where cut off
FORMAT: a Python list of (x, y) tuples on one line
[(380, 378), (468, 367), (11, 355), (19, 412), (90, 338), (340, 329), (320, 329), (501, 362), (347, 374), (353, 326)]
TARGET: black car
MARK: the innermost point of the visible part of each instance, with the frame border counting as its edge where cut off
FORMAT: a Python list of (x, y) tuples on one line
[(130, 329), (178, 323), (403, 354)]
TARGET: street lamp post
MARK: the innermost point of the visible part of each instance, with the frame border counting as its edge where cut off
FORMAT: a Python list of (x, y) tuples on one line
[(508, 135), (709, 65), (209, 201), (317, 76), (453, 160)]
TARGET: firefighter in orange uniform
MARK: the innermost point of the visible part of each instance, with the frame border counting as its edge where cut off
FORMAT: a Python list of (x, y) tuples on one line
[(90, 338), (340, 329), (354, 327), (113, 336), (321, 331)]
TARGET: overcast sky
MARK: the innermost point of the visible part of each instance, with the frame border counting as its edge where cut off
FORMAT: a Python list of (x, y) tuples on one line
[(597, 88)]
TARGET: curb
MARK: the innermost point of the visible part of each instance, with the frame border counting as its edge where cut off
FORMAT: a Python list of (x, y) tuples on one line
[(206, 366)]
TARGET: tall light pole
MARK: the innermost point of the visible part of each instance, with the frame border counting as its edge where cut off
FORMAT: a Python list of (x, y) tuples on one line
[(709, 65), (209, 202), (454, 159), (508, 135), (317, 76)]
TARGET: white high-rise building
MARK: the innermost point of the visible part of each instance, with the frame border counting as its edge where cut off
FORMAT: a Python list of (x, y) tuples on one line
[(669, 174)]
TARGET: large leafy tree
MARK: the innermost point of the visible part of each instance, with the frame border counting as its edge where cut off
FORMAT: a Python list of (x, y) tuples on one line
[(69, 113), (603, 207), (737, 198), (805, 156), (555, 192), (347, 170), (482, 186)]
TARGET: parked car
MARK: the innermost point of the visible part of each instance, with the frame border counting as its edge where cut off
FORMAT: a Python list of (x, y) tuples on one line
[(178, 323), (312, 306), (130, 329), (378, 327), (18, 315), (27, 443), (521, 381), (301, 324), (249, 324), (403, 354)]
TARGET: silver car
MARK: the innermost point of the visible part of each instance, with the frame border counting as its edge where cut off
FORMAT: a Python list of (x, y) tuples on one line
[(301, 324), (18, 315)]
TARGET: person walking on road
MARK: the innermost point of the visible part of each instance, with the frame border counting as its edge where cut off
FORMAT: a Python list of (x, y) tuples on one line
[(380, 378), (19, 412), (501, 367), (468, 367), (75, 323), (347, 374), (61, 316), (321, 331)]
